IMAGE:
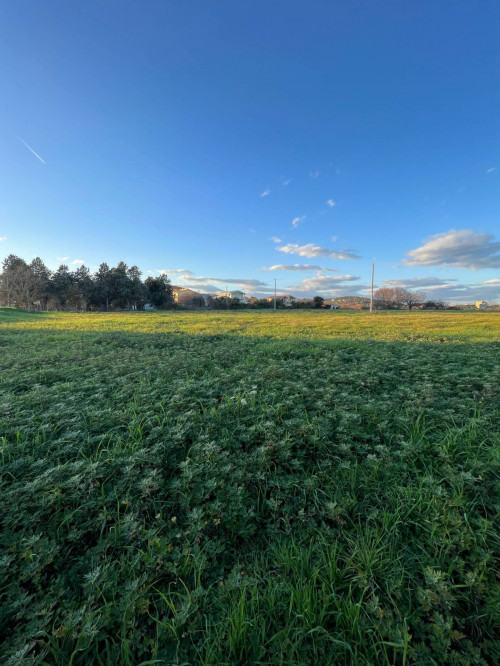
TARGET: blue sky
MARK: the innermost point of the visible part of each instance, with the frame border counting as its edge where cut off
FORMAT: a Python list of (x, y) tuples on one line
[(187, 135)]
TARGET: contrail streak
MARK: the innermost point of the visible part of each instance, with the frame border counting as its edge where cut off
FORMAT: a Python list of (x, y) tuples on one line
[(28, 147)]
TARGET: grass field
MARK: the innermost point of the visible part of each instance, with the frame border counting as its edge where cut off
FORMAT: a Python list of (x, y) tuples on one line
[(249, 488)]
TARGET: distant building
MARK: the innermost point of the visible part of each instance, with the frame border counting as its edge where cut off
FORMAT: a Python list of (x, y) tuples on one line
[(481, 305), (285, 299), (236, 295), (189, 297), (349, 302)]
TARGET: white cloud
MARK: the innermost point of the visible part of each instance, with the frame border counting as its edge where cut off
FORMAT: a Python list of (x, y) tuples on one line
[(275, 239), (328, 285), (3, 238), (334, 238), (311, 250), (331, 203), (297, 220), (313, 174), (266, 192), (77, 261), (490, 170), (462, 249), (293, 267), (287, 182), (494, 281), (62, 258), (151, 272)]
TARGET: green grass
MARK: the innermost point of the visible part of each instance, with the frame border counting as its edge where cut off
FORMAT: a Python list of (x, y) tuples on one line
[(249, 488)]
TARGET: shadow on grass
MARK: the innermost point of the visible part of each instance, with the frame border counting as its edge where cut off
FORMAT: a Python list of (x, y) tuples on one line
[(9, 314)]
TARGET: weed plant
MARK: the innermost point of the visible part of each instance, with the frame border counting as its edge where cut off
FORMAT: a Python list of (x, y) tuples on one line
[(249, 488)]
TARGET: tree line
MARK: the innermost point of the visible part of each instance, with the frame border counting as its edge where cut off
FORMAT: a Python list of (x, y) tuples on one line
[(33, 285)]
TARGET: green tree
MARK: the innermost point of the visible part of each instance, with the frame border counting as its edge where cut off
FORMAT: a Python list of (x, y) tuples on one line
[(138, 290), (103, 286), (42, 277), (318, 301), (121, 285), (84, 284), (62, 280), (159, 292)]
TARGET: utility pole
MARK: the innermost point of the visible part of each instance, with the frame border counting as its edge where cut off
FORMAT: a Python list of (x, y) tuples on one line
[(371, 297), (275, 294)]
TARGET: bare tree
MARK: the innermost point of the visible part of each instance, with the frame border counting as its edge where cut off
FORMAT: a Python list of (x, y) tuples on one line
[(389, 298), (384, 298), (412, 298), (399, 295), (20, 283)]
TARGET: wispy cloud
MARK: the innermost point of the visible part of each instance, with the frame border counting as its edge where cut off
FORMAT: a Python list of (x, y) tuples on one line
[(490, 170), (313, 174), (297, 220), (275, 239), (454, 292), (3, 238), (77, 261), (177, 271), (462, 249), (31, 149), (331, 203), (293, 267), (420, 283), (287, 182), (208, 283), (266, 192), (312, 250), (299, 267), (62, 258)]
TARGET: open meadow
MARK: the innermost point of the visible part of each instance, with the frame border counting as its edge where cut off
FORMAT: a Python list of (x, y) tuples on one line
[(249, 488)]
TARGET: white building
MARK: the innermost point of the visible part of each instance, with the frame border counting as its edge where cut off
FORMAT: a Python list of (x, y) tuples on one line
[(287, 300), (237, 295)]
